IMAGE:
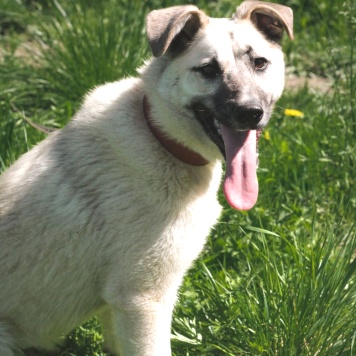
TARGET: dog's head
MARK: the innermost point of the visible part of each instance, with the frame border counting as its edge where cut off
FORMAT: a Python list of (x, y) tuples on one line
[(226, 74)]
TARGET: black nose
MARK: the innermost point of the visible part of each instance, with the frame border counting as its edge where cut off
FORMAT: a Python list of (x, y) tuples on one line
[(250, 115)]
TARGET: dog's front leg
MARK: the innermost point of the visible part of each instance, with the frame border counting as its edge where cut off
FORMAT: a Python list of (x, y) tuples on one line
[(111, 340), (140, 328)]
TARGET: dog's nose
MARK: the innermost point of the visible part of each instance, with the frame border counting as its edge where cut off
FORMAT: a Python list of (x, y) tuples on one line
[(250, 116)]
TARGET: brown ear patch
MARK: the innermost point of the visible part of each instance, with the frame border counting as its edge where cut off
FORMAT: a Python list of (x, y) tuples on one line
[(271, 27), (173, 28), (271, 19), (183, 39)]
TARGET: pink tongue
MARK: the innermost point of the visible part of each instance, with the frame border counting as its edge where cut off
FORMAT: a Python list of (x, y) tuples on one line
[(240, 185)]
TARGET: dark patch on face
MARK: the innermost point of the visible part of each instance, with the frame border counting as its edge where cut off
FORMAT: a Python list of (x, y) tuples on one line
[(210, 69), (231, 113)]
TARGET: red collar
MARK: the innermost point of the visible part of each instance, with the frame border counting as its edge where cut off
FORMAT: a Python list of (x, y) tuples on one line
[(179, 151)]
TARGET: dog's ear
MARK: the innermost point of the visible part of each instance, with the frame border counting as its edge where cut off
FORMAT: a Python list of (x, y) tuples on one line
[(173, 28), (269, 18)]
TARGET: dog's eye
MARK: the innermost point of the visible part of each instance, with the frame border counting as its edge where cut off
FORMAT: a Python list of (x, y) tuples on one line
[(260, 63), (209, 70)]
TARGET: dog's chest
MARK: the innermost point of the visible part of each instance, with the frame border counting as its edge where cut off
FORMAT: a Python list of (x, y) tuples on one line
[(187, 228), (165, 227), (177, 240)]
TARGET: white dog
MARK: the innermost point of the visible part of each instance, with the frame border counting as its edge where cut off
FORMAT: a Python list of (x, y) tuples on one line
[(105, 216)]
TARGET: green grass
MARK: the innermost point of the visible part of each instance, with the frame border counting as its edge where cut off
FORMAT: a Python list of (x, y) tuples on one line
[(277, 280)]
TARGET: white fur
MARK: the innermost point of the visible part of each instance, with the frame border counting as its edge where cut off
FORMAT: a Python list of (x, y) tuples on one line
[(93, 217), (99, 219)]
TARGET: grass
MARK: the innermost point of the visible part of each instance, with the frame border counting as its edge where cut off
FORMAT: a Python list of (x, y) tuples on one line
[(277, 280)]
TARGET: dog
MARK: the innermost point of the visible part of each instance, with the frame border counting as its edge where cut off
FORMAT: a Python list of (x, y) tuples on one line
[(105, 216)]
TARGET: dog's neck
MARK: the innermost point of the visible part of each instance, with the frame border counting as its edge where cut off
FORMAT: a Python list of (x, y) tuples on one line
[(179, 151)]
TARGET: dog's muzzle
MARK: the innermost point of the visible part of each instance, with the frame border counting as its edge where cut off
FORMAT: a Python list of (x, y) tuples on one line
[(249, 117), (239, 118)]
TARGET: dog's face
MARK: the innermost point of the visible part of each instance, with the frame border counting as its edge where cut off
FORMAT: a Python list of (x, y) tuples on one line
[(229, 75), (225, 73)]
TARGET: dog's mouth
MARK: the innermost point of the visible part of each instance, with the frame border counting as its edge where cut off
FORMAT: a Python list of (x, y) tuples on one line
[(239, 148), (210, 125)]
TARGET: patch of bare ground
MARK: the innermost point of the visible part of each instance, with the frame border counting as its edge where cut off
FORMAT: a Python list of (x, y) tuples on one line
[(316, 83), (29, 51)]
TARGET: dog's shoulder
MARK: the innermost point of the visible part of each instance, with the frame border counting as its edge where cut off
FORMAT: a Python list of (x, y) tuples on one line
[(110, 110), (109, 93)]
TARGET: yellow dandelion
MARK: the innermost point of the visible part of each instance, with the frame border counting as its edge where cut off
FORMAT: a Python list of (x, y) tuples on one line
[(266, 135), (293, 112)]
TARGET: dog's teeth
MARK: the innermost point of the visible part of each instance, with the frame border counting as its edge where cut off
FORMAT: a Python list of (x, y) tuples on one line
[(258, 134), (217, 126)]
